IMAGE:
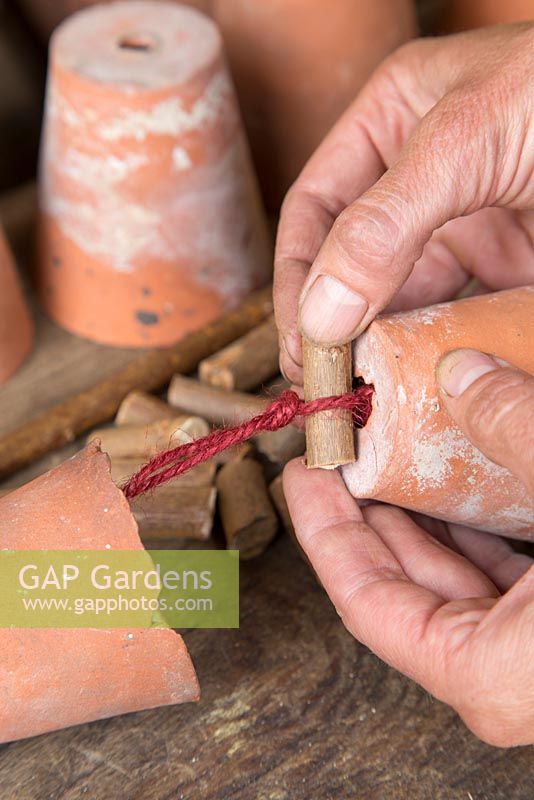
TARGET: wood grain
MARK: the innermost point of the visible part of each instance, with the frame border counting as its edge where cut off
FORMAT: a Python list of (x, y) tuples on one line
[(175, 511), (329, 434)]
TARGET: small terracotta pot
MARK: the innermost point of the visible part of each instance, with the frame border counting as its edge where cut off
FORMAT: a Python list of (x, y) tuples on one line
[(410, 453), (297, 65), (16, 327), (150, 220), (53, 678)]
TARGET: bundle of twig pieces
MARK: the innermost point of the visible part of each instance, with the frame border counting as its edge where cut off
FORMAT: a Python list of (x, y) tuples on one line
[(236, 481)]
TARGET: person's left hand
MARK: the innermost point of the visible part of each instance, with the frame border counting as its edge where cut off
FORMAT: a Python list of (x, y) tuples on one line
[(424, 595)]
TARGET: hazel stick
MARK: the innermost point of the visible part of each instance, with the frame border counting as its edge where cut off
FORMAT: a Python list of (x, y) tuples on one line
[(247, 514), (329, 434), (247, 362), (66, 420)]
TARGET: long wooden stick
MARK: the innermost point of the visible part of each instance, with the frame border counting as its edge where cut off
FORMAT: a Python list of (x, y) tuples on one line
[(329, 434), (149, 372)]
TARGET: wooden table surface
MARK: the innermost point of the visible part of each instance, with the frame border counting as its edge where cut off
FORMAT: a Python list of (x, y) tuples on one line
[(292, 707)]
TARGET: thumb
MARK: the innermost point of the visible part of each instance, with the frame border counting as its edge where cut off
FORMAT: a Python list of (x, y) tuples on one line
[(493, 403)]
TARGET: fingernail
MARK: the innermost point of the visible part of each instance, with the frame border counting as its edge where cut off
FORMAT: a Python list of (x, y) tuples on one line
[(331, 312), (461, 368)]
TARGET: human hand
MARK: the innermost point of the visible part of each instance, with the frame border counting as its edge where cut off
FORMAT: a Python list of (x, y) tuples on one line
[(431, 165), (423, 595)]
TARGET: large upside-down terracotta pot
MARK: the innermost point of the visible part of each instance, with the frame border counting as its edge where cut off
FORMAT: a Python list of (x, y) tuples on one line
[(297, 65), (411, 453), (459, 15), (53, 678), (150, 219), (16, 327)]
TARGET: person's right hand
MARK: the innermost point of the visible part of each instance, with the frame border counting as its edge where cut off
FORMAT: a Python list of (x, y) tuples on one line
[(432, 164), (451, 607)]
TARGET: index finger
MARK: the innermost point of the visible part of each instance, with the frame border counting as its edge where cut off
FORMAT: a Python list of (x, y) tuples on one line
[(345, 165)]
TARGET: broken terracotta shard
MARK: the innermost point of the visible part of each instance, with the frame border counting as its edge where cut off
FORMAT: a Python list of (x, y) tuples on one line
[(53, 678)]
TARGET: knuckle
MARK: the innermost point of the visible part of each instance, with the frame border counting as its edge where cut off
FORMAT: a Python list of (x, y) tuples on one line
[(369, 232), (502, 405), (452, 129)]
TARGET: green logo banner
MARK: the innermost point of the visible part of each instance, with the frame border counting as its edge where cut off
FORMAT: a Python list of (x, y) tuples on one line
[(119, 588)]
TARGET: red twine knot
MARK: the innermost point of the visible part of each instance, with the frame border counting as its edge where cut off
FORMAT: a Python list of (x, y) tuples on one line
[(280, 413)]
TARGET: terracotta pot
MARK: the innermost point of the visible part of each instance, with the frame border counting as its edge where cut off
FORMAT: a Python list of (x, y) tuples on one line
[(410, 453), (16, 327), (461, 16), (53, 678), (150, 220), (297, 65)]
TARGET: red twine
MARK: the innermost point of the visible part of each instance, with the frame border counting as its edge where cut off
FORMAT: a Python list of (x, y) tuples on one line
[(278, 414)]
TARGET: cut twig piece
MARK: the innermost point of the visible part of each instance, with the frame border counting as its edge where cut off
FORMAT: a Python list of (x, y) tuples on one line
[(247, 362), (141, 408), (329, 434), (281, 446), (144, 441), (175, 511), (214, 404), (232, 408), (248, 517)]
